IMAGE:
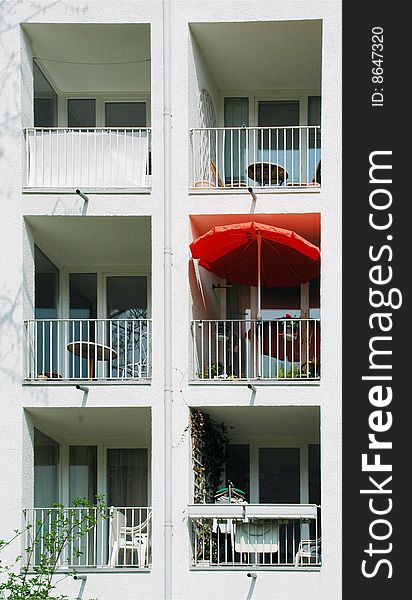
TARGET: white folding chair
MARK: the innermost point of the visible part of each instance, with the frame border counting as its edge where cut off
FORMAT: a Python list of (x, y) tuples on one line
[(128, 540), (309, 552)]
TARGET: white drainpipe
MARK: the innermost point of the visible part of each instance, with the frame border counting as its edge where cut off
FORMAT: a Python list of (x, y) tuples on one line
[(167, 256)]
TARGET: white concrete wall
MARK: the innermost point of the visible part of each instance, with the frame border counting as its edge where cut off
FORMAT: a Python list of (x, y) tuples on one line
[(199, 78), (16, 299)]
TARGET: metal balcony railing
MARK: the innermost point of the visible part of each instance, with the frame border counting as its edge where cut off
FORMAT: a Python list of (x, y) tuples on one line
[(236, 157), (255, 535), (282, 349), (89, 537), (98, 158), (88, 349)]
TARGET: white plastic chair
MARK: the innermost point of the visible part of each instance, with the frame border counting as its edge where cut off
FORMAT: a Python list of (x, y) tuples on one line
[(140, 368), (126, 539), (309, 552)]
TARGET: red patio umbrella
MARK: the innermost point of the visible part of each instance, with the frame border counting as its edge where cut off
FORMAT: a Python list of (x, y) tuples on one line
[(257, 254)]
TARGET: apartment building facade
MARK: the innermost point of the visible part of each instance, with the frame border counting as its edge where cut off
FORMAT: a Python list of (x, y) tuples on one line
[(254, 311)]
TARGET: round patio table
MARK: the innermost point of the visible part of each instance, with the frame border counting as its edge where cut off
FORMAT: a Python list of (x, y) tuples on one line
[(93, 352), (267, 173)]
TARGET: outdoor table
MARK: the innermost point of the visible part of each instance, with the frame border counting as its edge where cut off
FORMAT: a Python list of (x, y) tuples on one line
[(267, 173), (93, 352)]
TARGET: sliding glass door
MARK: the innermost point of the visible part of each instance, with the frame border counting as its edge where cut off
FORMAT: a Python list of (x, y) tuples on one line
[(126, 305), (46, 470), (127, 477)]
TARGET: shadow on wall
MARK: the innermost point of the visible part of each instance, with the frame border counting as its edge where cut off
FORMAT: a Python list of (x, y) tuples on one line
[(11, 335), (11, 13)]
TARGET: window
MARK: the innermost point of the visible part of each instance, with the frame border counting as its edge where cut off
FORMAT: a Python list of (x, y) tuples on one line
[(236, 115), (46, 286), (278, 113), (125, 114), (81, 112), (126, 297), (46, 461), (279, 475), (127, 477), (83, 473), (45, 100), (238, 467), (280, 146), (314, 473), (83, 295), (46, 300), (314, 118)]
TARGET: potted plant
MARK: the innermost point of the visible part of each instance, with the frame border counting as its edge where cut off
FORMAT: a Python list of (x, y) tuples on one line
[(216, 371), (291, 327)]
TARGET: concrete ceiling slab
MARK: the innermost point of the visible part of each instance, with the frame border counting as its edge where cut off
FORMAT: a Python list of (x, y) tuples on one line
[(94, 241), (94, 58), (273, 55)]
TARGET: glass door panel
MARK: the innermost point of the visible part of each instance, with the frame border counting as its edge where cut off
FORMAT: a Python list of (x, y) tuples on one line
[(236, 115), (279, 475), (238, 467), (280, 146), (83, 473), (279, 483), (81, 112), (315, 140), (46, 297), (46, 488), (83, 329), (127, 493), (314, 484), (83, 484), (127, 477), (46, 464), (125, 114), (45, 100), (128, 333)]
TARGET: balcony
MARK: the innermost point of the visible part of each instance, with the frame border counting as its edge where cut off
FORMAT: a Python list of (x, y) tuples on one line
[(117, 350), (256, 487), (270, 157), (250, 349), (91, 159), (91, 487), (255, 535), (258, 125), (90, 89), (119, 537)]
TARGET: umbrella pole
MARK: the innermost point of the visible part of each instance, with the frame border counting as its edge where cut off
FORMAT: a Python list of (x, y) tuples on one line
[(259, 316), (259, 249)]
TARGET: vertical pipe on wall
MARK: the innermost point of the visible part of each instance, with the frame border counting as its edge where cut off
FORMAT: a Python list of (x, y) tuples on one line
[(167, 256)]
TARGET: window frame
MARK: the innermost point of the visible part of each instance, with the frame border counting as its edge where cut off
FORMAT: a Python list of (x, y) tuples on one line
[(101, 100)]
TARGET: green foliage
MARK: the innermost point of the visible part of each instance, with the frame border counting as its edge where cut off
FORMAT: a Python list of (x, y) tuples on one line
[(216, 369), (281, 373), (209, 442), (59, 529)]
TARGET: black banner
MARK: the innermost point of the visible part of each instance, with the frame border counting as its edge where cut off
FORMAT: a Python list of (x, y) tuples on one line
[(376, 321)]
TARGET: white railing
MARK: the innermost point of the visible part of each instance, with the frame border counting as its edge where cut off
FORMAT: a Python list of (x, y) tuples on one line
[(61, 158), (248, 156), (90, 537), (90, 349), (282, 349), (259, 535)]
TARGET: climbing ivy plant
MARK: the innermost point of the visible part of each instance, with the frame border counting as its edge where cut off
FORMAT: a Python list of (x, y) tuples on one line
[(209, 451)]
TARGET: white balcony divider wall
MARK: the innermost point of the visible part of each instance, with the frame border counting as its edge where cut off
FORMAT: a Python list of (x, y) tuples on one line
[(234, 157), (60, 158), (76, 349), (260, 535), (256, 349), (119, 536)]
